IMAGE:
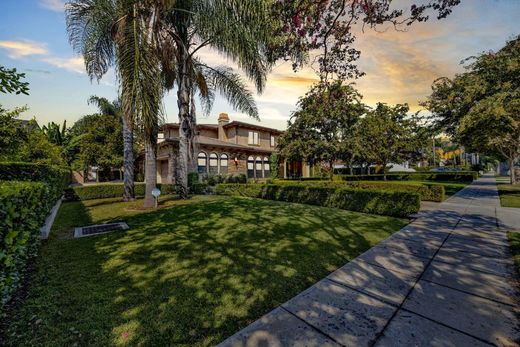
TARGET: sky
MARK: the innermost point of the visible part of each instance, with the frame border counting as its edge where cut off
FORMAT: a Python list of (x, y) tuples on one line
[(400, 66)]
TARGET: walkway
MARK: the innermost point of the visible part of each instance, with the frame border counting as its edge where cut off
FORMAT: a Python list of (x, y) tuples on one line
[(447, 279)]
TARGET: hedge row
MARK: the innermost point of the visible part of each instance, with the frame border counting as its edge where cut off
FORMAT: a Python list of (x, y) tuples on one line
[(23, 209), (111, 190), (427, 192), (392, 203), (460, 176), (55, 177)]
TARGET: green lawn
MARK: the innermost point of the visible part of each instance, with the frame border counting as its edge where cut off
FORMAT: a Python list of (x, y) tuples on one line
[(514, 243), (190, 274), (509, 194)]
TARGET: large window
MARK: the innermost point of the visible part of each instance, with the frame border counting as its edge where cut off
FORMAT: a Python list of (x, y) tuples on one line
[(273, 141), (213, 163), (250, 167), (258, 167), (224, 164), (202, 162), (267, 167), (253, 138)]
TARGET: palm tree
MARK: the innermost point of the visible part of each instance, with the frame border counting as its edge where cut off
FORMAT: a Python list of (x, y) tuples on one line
[(119, 33), (235, 29)]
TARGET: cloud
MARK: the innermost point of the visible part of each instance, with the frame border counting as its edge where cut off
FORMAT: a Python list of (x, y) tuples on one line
[(19, 49), (75, 64), (53, 5)]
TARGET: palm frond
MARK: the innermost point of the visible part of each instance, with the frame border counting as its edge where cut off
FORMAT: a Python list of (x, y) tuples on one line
[(230, 84), (89, 26)]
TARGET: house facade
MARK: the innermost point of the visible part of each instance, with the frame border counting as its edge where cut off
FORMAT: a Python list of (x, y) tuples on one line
[(228, 147)]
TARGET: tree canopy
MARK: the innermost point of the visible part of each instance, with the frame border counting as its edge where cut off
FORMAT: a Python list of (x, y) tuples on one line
[(480, 108)]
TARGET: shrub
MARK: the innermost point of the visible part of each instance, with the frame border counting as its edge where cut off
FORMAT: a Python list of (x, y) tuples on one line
[(199, 188), (393, 203), (213, 180), (23, 209), (459, 176), (57, 178), (193, 177), (427, 192), (112, 190)]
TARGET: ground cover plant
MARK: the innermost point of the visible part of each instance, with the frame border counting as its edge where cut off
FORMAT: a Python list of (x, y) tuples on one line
[(509, 195), (190, 275), (514, 244)]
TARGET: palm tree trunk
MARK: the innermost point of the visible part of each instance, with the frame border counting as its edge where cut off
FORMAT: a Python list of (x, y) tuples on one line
[(185, 129), (150, 170), (128, 161)]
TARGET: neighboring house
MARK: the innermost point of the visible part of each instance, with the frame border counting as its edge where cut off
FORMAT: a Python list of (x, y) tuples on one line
[(228, 147)]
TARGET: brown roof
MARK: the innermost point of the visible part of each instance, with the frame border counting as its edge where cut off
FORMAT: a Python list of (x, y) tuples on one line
[(204, 140), (251, 126), (228, 125)]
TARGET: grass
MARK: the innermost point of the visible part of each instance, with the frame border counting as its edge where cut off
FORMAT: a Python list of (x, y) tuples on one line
[(509, 193), (190, 274), (514, 243)]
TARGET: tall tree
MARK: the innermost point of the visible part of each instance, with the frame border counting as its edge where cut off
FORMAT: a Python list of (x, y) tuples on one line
[(322, 127), (479, 108), (119, 33), (11, 81), (385, 134), (237, 30)]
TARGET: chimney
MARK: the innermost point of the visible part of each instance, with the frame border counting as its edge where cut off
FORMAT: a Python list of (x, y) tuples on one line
[(223, 119)]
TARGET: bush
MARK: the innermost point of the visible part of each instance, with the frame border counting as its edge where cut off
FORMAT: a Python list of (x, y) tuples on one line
[(392, 203), (23, 209), (460, 176), (112, 190), (57, 178), (427, 192), (213, 180), (199, 188), (193, 177)]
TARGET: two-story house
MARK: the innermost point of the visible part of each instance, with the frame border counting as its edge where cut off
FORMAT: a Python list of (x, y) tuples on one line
[(229, 147)]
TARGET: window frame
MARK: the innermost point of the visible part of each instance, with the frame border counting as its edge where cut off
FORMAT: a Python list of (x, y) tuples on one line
[(252, 136)]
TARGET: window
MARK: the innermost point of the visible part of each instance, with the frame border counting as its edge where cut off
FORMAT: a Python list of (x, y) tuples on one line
[(213, 163), (267, 167), (253, 138), (273, 141), (202, 162), (250, 167), (223, 164), (258, 167)]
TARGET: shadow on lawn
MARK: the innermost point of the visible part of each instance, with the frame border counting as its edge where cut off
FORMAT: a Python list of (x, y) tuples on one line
[(189, 275)]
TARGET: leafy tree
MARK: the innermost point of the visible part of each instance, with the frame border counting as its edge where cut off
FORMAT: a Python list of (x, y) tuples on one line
[(98, 140), (385, 135), (122, 33), (479, 108), (11, 81), (12, 133), (322, 127), (327, 28)]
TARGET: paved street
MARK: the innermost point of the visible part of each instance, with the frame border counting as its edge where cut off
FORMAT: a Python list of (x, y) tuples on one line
[(446, 279)]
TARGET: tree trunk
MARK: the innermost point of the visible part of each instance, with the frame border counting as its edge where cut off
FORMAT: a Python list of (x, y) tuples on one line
[(185, 129), (150, 171), (512, 170), (128, 161), (331, 167), (384, 171)]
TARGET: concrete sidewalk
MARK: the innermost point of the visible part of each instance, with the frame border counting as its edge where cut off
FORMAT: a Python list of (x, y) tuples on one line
[(447, 279)]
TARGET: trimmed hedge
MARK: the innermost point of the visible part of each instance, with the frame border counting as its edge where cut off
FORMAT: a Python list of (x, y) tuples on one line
[(57, 178), (427, 192), (383, 202), (460, 176), (23, 209), (111, 190)]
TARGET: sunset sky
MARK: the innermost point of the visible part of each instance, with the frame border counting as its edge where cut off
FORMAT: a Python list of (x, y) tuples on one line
[(399, 66)]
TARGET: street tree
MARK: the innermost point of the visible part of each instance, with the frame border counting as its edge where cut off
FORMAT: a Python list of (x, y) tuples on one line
[(321, 129), (479, 108)]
